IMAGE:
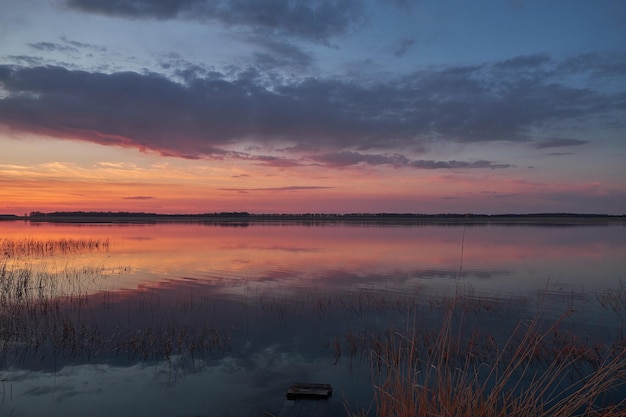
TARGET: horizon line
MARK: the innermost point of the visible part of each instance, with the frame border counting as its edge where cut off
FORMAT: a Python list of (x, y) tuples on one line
[(81, 213)]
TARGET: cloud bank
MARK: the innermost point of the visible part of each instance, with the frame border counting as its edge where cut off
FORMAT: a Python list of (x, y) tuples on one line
[(333, 122), (314, 20)]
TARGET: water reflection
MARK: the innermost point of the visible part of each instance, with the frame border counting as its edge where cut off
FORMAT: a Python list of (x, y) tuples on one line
[(177, 319), (177, 342), (495, 258)]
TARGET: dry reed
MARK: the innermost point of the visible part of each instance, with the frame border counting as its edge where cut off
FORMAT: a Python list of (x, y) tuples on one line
[(60, 312), (10, 248), (535, 371)]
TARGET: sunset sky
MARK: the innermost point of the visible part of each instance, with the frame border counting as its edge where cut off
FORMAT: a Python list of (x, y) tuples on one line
[(425, 106)]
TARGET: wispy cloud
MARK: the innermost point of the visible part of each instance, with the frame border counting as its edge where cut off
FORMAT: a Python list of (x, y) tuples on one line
[(559, 142), (138, 197), (26, 60), (117, 165), (53, 47), (277, 52), (66, 46), (278, 189), (403, 46)]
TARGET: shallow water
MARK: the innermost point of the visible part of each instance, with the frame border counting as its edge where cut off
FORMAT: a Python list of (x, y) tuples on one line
[(190, 319)]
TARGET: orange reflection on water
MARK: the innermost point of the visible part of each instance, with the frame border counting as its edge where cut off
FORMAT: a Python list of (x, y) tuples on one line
[(333, 256)]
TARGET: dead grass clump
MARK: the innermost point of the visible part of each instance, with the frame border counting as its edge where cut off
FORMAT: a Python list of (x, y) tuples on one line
[(536, 370)]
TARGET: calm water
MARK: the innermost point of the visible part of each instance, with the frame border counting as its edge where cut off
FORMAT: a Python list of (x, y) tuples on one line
[(269, 304)]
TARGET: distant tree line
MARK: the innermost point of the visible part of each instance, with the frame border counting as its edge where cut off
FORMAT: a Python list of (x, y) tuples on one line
[(131, 214), (239, 214)]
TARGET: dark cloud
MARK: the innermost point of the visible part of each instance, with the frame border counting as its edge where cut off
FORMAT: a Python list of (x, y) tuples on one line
[(138, 197), (331, 121), (456, 164), (163, 9), (270, 160), (278, 189), (181, 68), (348, 158), (317, 20), (559, 142)]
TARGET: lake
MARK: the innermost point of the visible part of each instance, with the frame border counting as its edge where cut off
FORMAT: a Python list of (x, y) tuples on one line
[(217, 320)]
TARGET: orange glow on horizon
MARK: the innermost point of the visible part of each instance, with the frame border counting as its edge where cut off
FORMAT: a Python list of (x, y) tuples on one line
[(38, 175)]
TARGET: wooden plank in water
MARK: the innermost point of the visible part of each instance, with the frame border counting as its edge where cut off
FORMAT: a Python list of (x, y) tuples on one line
[(308, 390)]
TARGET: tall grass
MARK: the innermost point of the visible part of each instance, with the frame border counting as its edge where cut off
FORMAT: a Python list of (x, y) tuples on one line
[(537, 370), (10, 248), (461, 368), (49, 312)]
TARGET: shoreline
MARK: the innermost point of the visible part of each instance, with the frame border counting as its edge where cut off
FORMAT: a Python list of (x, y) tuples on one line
[(244, 219)]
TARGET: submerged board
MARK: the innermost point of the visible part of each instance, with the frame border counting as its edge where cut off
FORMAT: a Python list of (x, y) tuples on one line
[(308, 390)]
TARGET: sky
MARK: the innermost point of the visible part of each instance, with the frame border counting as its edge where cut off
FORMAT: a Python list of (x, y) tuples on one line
[(325, 106)]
